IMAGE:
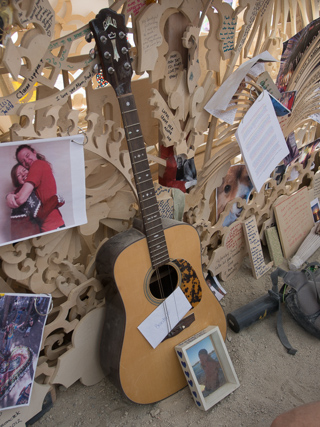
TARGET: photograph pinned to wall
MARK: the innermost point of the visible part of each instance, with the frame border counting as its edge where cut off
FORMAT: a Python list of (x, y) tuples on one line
[(23, 318), (278, 173), (42, 187), (207, 367), (235, 184), (279, 108), (287, 99), (215, 286), (178, 172), (186, 170), (306, 151), (293, 149), (315, 207), (294, 51)]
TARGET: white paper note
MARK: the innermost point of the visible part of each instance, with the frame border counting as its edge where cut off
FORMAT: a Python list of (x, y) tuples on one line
[(261, 140), (224, 94), (164, 318)]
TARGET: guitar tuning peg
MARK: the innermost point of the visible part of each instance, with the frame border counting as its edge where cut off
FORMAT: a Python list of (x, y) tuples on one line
[(92, 53), (89, 37), (96, 68)]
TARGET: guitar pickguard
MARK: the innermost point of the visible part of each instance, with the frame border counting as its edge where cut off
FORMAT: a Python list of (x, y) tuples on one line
[(190, 284)]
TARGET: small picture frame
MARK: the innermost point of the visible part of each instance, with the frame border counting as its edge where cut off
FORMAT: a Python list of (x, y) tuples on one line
[(315, 207), (207, 367)]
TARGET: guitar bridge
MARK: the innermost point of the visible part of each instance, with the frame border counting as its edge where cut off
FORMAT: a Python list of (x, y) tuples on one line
[(181, 326)]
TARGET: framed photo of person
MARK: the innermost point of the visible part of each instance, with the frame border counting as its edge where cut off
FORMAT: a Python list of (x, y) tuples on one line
[(207, 367)]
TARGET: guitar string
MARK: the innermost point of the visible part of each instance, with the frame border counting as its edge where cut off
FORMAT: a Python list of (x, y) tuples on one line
[(135, 173), (164, 303)]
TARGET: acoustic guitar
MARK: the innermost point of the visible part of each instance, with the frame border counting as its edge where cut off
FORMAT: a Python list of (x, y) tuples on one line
[(144, 265)]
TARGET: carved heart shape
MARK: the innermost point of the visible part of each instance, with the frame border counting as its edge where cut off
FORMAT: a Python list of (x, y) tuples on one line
[(179, 354), (187, 373), (198, 403), (191, 383), (183, 364), (195, 394)]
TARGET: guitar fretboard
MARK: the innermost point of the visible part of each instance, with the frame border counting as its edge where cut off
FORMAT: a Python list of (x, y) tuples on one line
[(144, 184)]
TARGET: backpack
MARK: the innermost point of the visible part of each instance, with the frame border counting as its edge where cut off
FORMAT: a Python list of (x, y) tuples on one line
[(301, 294)]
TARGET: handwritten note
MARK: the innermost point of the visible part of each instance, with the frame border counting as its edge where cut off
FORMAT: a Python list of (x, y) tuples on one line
[(11, 419), (294, 220), (150, 37), (134, 6), (261, 140), (42, 13), (228, 258), (227, 33), (167, 129), (259, 268), (222, 97), (266, 82), (258, 6), (174, 65), (164, 318)]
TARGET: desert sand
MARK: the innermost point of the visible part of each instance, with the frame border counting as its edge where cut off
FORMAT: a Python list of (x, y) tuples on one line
[(271, 380)]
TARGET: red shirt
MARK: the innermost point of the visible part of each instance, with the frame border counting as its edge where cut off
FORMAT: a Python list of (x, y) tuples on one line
[(41, 176)]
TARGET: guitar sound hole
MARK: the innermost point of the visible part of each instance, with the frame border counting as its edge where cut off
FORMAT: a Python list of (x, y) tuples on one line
[(163, 281)]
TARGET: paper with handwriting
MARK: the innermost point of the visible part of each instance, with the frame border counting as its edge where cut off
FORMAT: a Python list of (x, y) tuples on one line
[(165, 317), (261, 140)]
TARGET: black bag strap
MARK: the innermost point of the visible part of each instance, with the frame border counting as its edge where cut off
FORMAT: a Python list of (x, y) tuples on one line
[(279, 296)]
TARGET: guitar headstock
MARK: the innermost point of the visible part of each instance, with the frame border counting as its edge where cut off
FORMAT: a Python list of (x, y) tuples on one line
[(110, 33)]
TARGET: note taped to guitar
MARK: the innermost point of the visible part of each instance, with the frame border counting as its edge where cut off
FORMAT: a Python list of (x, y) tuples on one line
[(143, 267)]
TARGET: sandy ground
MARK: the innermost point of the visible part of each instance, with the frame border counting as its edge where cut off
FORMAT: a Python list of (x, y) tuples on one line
[(271, 380)]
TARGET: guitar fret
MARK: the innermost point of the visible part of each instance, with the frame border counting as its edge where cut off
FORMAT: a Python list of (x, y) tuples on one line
[(159, 258), (152, 220), (157, 238), (147, 199), (139, 161), (156, 226), (148, 207), (146, 170), (143, 182), (159, 254), (147, 189), (136, 137), (129, 111)]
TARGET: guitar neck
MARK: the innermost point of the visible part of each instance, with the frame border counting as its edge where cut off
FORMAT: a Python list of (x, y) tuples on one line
[(144, 183)]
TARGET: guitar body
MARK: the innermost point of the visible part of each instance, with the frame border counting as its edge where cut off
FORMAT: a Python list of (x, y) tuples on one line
[(140, 270), (143, 373)]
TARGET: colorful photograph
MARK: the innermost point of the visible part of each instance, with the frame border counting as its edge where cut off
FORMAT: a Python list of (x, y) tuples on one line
[(306, 151), (235, 184), (292, 52), (215, 287), (293, 149), (315, 207), (22, 320), (38, 191), (206, 366)]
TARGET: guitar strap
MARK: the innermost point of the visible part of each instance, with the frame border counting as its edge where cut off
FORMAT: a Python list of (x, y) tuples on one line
[(280, 297)]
